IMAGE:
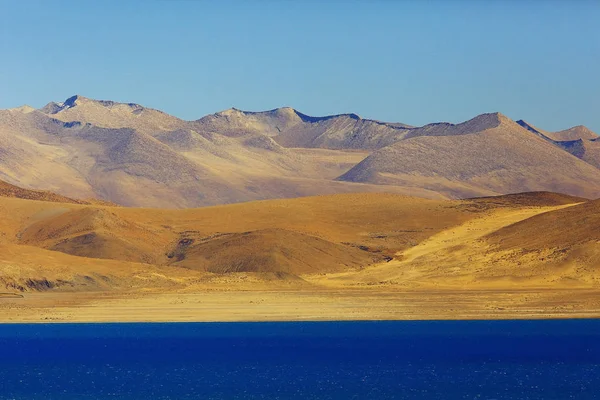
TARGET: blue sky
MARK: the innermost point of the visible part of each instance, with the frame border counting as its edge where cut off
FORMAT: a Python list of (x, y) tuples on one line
[(405, 61)]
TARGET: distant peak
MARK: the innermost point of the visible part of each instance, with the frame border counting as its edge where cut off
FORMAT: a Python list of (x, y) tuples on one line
[(582, 129), (230, 111), (78, 100), (25, 109), (496, 115), (576, 132), (54, 108), (488, 120), (286, 111), (479, 123)]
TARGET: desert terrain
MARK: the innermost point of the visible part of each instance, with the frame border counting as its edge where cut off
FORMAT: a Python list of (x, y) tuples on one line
[(344, 257), (118, 212)]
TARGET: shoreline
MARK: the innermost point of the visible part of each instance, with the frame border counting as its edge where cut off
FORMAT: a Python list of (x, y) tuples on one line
[(315, 321), (301, 306)]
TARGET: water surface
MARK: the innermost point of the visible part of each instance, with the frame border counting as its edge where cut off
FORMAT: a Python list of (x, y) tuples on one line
[(302, 360)]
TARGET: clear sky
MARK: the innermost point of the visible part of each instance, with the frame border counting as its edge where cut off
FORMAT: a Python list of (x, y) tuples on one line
[(404, 61)]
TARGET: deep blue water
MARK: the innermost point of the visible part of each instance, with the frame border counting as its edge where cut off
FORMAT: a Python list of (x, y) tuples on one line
[(303, 360)]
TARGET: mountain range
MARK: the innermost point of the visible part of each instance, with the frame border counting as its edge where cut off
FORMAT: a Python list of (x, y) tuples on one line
[(132, 155)]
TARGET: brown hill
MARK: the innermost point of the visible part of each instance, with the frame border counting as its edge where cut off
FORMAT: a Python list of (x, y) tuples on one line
[(277, 251), (95, 233), (485, 156), (309, 238), (530, 199), (108, 232), (559, 247), (280, 237), (8, 190), (526, 245), (561, 229)]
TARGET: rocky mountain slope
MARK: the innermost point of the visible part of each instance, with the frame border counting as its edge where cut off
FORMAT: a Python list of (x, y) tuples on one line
[(489, 154), (578, 140), (291, 128), (137, 156)]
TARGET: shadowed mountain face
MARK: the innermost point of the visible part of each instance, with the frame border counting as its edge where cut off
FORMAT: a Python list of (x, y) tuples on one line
[(579, 141), (137, 156)]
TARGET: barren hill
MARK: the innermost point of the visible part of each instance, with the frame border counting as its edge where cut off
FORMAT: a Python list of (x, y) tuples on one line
[(114, 115), (8, 190), (277, 251), (340, 240), (586, 149), (560, 230), (281, 237), (137, 156), (574, 133), (291, 128), (357, 253), (571, 134), (487, 155), (561, 244), (117, 154), (578, 140), (530, 199)]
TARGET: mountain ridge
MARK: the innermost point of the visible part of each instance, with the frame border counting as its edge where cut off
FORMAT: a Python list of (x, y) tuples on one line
[(138, 156), (482, 156)]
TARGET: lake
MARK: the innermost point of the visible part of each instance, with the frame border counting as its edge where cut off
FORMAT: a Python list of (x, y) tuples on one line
[(555, 359)]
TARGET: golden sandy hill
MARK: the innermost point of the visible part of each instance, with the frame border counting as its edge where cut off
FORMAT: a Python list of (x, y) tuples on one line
[(75, 246), (487, 155), (154, 233), (557, 247), (319, 234), (561, 229), (505, 248)]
